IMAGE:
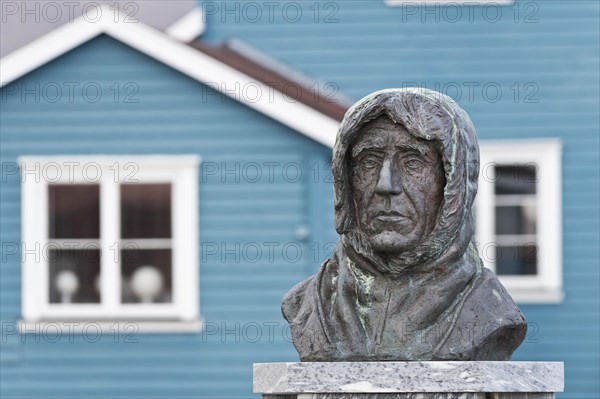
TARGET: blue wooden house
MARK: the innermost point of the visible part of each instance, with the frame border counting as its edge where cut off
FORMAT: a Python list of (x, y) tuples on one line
[(158, 197)]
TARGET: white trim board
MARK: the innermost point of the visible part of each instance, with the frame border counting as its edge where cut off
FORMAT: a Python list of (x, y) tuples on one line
[(178, 56), (188, 27)]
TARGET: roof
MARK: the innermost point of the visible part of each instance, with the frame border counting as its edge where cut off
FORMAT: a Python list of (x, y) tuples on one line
[(222, 69), (22, 23), (298, 89)]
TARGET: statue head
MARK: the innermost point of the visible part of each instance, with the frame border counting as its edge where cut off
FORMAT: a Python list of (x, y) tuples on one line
[(405, 170)]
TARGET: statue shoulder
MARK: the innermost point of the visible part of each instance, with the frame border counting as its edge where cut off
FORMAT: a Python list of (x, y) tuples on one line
[(493, 298), (292, 301), (303, 309), (302, 295), (491, 320)]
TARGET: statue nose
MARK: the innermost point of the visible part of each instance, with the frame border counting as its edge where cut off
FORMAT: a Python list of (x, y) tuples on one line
[(389, 179)]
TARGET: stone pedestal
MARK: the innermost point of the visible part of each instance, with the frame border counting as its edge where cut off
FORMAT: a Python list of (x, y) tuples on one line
[(409, 380)]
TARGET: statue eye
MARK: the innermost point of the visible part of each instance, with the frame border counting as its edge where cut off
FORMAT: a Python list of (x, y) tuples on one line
[(413, 164), (370, 162)]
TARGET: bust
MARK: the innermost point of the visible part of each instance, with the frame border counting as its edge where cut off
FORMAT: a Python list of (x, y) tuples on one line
[(405, 281)]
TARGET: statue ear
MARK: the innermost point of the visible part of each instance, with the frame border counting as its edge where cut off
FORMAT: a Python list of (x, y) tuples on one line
[(342, 191), (341, 218)]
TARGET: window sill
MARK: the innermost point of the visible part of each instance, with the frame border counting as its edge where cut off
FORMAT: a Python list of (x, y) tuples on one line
[(537, 295), (109, 326)]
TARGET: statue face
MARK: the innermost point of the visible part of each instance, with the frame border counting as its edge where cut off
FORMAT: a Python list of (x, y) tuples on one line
[(397, 184)]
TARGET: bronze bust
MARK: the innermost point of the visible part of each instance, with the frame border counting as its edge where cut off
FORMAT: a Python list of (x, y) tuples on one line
[(405, 281)]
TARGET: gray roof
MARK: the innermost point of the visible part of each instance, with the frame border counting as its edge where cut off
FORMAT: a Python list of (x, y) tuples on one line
[(24, 21)]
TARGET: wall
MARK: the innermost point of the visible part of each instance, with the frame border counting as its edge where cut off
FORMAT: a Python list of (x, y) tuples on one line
[(526, 70), (240, 288)]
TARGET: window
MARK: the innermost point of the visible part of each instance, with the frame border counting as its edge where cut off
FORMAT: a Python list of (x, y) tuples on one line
[(518, 212), (110, 238)]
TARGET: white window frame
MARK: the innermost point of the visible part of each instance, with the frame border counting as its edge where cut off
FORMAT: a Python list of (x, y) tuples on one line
[(181, 171), (547, 285)]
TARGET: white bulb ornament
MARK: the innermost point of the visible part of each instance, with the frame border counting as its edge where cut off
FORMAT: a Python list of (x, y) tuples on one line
[(67, 284), (146, 283)]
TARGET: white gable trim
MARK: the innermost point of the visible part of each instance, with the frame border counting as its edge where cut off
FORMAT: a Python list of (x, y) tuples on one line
[(47, 48), (188, 27), (178, 56)]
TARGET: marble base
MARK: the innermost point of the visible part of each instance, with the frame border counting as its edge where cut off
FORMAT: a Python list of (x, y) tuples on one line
[(409, 380), (471, 395)]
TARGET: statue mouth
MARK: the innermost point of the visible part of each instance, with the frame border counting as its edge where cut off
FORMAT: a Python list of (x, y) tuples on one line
[(391, 217)]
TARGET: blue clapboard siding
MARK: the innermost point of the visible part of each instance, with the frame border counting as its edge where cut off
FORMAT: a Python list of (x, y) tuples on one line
[(240, 293), (550, 45)]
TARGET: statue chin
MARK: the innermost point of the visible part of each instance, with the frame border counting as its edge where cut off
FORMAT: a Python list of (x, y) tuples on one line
[(390, 243)]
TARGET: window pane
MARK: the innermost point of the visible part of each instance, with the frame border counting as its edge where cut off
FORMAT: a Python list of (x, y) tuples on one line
[(146, 275), (516, 260), (515, 219), (74, 211), (145, 211), (74, 275), (516, 179)]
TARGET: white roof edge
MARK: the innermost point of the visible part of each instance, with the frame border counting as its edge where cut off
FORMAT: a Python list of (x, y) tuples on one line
[(178, 56), (188, 27), (48, 47)]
